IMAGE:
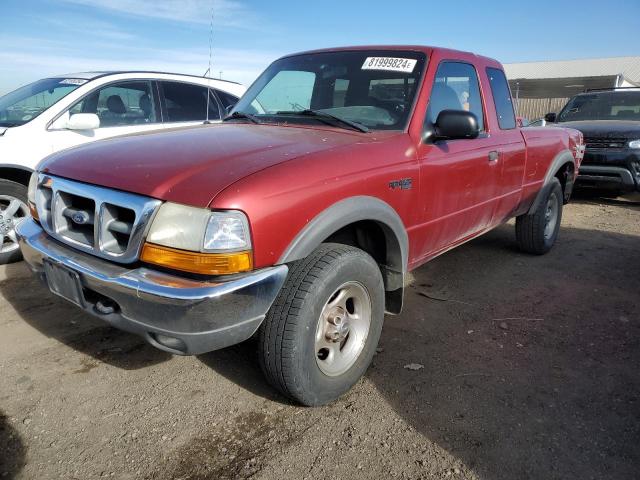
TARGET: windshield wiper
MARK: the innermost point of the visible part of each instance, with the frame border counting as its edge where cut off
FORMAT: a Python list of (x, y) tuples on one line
[(327, 118), (242, 116)]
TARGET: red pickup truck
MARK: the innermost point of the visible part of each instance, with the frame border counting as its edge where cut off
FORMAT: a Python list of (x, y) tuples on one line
[(298, 218)]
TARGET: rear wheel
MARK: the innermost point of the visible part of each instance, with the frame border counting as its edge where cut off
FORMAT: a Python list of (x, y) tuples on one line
[(537, 232), (321, 332), (13, 209)]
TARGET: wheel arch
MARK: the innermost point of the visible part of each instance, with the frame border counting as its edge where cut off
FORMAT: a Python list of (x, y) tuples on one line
[(560, 167), (15, 173), (367, 223)]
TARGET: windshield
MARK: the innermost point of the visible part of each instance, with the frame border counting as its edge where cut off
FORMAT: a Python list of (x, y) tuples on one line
[(26, 103), (614, 105), (373, 89)]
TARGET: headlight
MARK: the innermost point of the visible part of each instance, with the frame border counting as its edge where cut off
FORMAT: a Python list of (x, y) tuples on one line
[(198, 240), (634, 144)]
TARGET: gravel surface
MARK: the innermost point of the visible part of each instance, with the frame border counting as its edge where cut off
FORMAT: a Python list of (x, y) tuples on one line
[(502, 366)]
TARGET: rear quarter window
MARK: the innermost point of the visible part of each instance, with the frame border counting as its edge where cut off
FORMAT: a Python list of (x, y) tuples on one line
[(501, 98)]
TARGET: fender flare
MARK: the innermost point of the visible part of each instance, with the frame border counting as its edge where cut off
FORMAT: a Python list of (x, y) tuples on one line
[(558, 161), (346, 212)]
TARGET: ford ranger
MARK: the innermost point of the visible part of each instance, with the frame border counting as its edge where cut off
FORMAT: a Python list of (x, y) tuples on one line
[(296, 221)]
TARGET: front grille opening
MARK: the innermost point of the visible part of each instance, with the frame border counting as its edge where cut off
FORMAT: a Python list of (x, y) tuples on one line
[(605, 143), (75, 218), (116, 229), (44, 198)]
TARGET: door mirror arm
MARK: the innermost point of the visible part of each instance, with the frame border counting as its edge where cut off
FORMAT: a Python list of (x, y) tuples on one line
[(429, 133)]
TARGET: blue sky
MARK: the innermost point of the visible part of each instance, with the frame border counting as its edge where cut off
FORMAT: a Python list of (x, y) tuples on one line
[(47, 37)]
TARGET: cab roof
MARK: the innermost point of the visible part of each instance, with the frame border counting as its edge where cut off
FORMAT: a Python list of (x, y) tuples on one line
[(429, 50)]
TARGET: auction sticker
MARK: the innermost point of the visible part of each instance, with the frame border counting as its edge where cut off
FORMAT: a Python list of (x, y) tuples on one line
[(391, 64), (73, 81)]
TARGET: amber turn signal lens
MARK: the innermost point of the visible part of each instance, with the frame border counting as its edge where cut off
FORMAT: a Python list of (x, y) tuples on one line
[(196, 262), (33, 211)]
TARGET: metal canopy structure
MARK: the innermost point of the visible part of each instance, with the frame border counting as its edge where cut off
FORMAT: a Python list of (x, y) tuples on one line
[(541, 87), (559, 87)]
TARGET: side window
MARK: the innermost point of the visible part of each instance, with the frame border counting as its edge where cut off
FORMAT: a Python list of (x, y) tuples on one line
[(120, 104), (227, 100), (455, 88), (501, 98), (186, 102)]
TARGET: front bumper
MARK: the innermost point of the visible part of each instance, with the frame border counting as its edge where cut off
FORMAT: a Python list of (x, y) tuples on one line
[(173, 313), (610, 169)]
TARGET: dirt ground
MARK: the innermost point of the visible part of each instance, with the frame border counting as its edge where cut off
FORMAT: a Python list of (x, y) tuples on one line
[(531, 371)]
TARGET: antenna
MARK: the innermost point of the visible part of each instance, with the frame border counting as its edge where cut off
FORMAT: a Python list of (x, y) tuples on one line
[(208, 72)]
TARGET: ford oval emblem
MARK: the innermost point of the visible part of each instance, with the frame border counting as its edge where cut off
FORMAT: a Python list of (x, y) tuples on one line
[(80, 218)]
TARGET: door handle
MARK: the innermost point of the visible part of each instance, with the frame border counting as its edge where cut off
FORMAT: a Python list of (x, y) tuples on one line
[(494, 155)]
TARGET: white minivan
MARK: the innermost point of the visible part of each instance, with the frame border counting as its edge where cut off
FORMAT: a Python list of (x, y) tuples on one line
[(56, 113)]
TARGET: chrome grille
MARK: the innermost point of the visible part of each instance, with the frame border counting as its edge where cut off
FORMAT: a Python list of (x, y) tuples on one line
[(603, 142), (108, 223)]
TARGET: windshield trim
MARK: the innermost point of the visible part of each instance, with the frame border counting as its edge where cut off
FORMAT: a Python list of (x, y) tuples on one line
[(416, 96)]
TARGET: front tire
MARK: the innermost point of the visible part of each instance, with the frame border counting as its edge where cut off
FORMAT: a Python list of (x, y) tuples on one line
[(320, 335), (536, 233), (13, 209)]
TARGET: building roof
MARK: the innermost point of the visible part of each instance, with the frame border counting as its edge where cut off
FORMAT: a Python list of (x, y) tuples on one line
[(628, 67)]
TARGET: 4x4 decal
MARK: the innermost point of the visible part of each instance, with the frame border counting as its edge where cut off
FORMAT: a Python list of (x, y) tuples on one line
[(402, 184)]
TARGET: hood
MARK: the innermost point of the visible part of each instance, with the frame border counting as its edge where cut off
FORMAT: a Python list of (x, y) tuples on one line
[(605, 128), (192, 165)]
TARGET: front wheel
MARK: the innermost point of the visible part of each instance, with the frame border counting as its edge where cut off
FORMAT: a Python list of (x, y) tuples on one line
[(321, 333), (13, 209), (537, 232)]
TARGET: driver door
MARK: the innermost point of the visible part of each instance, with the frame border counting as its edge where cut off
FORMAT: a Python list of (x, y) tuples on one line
[(459, 178)]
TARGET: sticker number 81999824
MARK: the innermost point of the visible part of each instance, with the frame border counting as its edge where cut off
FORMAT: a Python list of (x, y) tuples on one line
[(405, 65)]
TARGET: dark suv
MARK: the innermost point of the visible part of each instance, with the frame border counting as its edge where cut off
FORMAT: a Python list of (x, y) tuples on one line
[(610, 123)]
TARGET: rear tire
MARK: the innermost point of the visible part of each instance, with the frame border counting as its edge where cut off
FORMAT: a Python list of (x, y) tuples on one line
[(537, 232), (13, 208), (316, 341)]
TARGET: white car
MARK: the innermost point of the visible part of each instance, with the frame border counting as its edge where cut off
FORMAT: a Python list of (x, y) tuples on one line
[(56, 113)]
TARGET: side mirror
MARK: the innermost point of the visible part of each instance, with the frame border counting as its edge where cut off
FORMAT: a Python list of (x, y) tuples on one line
[(455, 124), (228, 108), (83, 121), (550, 117)]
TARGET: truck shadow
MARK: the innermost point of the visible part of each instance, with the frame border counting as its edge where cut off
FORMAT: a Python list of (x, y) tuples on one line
[(530, 363), (57, 319), (239, 364), (12, 450)]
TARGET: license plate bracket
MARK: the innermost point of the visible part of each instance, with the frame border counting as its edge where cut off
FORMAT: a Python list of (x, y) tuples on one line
[(64, 282)]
